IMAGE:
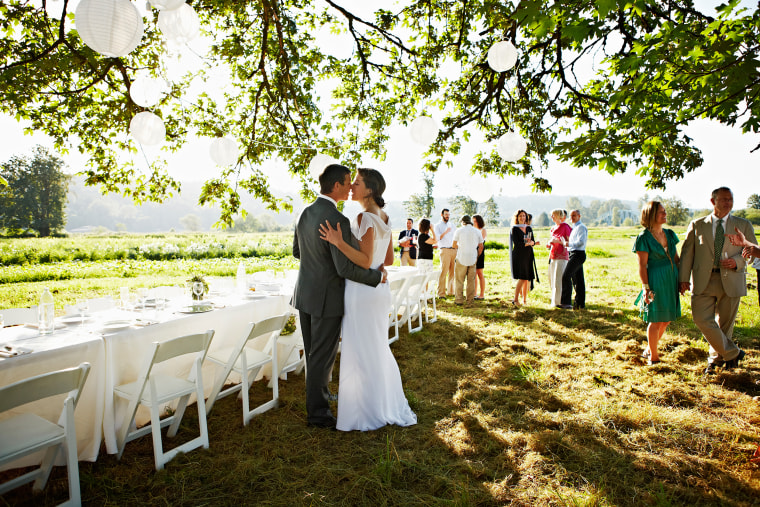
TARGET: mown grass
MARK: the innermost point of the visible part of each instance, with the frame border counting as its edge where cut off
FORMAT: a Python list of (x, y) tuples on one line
[(529, 406)]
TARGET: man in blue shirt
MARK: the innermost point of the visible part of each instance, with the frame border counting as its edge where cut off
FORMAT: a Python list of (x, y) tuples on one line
[(573, 275)]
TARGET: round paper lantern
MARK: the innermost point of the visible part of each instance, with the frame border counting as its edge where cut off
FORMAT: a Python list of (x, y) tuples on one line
[(480, 190), (166, 5), (502, 56), (181, 25), (224, 151), (424, 130), (147, 91), (147, 128), (113, 28), (318, 164), (512, 147)]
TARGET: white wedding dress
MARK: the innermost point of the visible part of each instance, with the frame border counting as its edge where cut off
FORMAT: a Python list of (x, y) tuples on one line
[(370, 394)]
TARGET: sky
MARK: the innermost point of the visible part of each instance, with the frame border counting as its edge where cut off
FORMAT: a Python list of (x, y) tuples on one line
[(726, 152)]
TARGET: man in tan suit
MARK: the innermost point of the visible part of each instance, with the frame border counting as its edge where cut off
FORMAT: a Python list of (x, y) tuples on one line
[(718, 277)]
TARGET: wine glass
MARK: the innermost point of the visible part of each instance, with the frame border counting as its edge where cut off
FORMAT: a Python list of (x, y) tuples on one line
[(124, 297), (83, 305), (142, 295), (198, 290)]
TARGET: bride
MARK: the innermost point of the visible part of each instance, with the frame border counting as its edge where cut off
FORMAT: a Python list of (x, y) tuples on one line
[(370, 394)]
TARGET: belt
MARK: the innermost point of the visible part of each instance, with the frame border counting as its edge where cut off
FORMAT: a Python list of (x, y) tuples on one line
[(447, 247), (716, 270)]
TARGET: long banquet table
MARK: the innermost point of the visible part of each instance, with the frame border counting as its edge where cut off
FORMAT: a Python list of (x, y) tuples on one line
[(115, 357)]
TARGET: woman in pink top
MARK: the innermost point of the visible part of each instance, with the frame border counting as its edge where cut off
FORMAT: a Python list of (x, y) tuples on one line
[(558, 256)]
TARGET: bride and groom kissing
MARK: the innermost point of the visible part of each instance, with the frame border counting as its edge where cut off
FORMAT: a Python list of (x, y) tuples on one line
[(342, 291)]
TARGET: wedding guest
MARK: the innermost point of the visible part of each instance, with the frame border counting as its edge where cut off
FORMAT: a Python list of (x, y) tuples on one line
[(658, 270), (749, 250), (444, 234), (425, 242), (468, 243), (480, 225), (573, 275), (558, 255), (407, 242), (521, 255)]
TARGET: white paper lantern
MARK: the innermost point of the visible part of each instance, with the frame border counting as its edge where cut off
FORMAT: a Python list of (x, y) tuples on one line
[(224, 151), (113, 28), (479, 190), (147, 128), (502, 56), (424, 130), (512, 147), (147, 91), (181, 25), (166, 5), (318, 164)]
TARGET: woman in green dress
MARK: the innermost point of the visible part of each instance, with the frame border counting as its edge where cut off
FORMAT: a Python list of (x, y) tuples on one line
[(658, 270)]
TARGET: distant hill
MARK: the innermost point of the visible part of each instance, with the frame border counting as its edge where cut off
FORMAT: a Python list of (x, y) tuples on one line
[(88, 209)]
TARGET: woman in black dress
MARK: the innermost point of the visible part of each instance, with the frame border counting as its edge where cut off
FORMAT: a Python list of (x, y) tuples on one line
[(521, 255), (480, 263), (425, 242)]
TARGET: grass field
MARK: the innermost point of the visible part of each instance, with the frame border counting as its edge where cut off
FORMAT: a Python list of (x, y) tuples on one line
[(528, 406)]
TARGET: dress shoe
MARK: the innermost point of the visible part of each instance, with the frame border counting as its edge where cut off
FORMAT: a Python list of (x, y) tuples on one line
[(733, 363), (565, 307), (711, 368), (323, 423), (332, 397)]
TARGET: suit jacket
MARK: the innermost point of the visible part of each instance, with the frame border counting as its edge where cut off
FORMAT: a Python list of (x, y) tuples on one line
[(697, 256), (323, 270), (412, 249)]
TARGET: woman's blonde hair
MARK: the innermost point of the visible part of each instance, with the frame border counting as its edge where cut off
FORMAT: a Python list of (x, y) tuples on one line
[(559, 213), (649, 213)]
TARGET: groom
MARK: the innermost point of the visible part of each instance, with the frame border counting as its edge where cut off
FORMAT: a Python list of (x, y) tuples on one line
[(318, 293)]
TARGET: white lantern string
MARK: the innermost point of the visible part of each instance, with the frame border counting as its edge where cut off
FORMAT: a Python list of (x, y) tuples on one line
[(511, 147), (147, 91), (113, 28), (318, 164), (224, 151), (166, 5), (147, 128), (502, 56), (424, 130), (181, 25)]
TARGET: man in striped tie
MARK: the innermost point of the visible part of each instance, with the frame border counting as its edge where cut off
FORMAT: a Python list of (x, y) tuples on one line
[(718, 279)]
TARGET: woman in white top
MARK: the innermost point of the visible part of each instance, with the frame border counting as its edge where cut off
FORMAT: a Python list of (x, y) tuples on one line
[(370, 394)]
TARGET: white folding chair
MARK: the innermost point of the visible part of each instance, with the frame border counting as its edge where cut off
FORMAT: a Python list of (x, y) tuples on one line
[(247, 361), (154, 389), (413, 301), (290, 352), (16, 316), (398, 295), (429, 295), (28, 433), (93, 305)]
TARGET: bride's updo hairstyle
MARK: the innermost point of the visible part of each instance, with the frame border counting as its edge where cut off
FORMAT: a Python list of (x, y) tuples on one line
[(375, 182)]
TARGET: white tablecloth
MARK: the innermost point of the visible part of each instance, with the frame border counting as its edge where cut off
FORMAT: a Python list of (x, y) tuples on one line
[(115, 359)]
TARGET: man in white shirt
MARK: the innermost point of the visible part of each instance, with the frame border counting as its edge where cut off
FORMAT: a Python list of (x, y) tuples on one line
[(468, 243), (573, 275), (444, 235)]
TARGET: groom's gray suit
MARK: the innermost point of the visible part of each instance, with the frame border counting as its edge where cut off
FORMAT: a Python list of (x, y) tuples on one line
[(319, 298)]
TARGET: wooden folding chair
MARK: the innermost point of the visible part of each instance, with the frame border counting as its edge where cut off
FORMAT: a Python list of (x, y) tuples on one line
[(28, 433), (154, 390), (247, 361)]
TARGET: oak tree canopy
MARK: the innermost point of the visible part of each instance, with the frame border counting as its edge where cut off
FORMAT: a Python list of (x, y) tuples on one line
[(606, 84)]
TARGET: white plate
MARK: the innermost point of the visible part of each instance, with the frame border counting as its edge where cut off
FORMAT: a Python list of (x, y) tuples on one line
[(74, 319), (253, 295), (115, 325), (196, 309)]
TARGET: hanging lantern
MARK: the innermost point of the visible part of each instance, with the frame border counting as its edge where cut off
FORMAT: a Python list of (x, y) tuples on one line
[(113, 28), (479, 190), (424, 130), (147, 128), (147, 91), (166, 5), (224, 151), (502, 56), (181, 25), (512, 147), (318, 164)]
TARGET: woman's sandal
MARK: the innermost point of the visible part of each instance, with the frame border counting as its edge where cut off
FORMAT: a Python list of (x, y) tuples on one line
[(651, 362)]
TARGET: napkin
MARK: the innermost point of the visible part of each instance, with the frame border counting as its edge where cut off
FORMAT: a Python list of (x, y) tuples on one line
[(10, 351)]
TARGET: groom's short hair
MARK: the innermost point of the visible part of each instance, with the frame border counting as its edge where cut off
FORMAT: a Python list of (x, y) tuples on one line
[(333, 173)]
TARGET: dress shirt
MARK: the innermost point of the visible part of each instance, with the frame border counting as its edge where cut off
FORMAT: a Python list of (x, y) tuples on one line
[(329, 199), (468, 238), (448, 240), (714, 222), (578, 237)]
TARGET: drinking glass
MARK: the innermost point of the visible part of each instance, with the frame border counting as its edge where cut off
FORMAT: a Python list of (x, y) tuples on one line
[(724, 271), (124, 297), (142, 294), (198, 290), (83, 305)]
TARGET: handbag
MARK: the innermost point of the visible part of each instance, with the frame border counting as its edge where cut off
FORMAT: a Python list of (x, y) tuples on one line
[(641, 303)]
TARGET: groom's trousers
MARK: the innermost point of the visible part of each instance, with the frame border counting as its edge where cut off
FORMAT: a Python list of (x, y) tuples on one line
[(320, 342)]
